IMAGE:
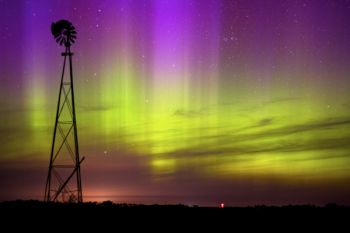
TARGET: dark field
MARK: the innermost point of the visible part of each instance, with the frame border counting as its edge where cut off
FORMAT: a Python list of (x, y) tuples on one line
[(131, 215)]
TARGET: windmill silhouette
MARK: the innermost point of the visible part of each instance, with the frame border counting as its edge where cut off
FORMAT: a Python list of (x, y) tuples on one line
[(63, 180)]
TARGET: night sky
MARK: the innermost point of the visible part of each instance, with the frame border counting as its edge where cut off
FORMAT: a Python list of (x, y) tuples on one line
[(182, 101)]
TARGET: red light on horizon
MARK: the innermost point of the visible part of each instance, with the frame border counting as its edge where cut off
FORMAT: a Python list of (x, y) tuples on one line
[(222, 205)]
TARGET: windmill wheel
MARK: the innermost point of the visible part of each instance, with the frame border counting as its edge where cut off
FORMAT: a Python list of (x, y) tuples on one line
[(64, 32)]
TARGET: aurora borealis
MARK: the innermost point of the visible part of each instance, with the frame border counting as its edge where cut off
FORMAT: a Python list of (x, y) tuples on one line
[(198, 102)]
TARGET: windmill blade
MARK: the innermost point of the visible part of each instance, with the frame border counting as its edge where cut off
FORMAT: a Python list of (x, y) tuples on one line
[(64, 32)]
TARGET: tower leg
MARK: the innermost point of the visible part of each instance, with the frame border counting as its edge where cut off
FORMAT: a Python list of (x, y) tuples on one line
[(58, 182)]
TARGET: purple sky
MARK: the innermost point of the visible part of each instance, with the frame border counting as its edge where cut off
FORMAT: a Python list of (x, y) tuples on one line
[(199, 102)]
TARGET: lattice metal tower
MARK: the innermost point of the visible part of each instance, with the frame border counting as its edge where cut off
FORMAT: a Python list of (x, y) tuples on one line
[(63, 180)]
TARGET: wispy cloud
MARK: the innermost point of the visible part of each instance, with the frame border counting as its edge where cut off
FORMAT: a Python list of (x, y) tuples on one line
[(282, 140), (190, 113)]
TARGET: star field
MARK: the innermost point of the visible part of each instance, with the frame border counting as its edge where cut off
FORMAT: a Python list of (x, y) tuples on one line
[(198, 102)]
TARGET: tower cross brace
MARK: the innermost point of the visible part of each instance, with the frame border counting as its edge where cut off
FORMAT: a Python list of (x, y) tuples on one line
[(63, 181)]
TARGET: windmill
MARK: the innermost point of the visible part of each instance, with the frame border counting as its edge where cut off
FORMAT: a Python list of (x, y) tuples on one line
[(63, 180)]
